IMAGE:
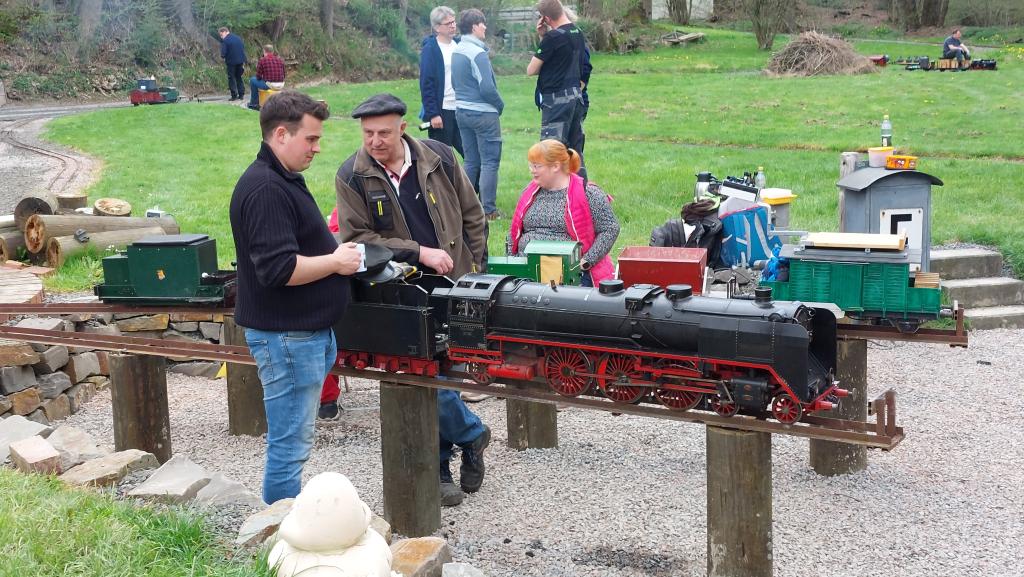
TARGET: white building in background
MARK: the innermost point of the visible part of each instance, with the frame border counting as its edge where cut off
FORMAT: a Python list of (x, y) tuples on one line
[(699, 9)]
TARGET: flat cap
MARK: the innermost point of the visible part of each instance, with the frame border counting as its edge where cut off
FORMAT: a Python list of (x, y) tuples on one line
[(379, 105)]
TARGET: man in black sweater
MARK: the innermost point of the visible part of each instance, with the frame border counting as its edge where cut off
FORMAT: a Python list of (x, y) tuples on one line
[(291, 283)]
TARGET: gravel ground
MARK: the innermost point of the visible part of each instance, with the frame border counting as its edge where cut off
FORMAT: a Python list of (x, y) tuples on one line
[(23, 171), (625, 496)]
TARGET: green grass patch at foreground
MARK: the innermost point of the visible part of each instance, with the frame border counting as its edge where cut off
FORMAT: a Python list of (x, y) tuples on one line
[(48, 529), (647, 134)]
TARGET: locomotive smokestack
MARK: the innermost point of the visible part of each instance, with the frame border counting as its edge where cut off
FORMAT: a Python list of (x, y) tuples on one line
[(763, 295)]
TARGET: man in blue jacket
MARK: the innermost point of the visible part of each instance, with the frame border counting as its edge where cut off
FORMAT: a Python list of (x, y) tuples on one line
[(232, 50), (436, 92), (477, 108)]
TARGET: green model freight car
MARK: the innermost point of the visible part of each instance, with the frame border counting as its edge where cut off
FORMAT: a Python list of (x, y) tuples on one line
[(545, 260), (872, 285)]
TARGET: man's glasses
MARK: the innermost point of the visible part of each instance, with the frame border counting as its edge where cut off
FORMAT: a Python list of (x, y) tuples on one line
[(452, 23)]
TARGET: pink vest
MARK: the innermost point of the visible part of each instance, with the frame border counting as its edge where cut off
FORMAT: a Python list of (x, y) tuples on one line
[(578, 223)]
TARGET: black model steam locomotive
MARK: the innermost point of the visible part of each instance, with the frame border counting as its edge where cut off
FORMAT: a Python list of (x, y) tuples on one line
[(637, 344)]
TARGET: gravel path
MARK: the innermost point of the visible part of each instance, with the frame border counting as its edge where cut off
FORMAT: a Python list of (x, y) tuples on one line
[(625, 496), (23, 171)]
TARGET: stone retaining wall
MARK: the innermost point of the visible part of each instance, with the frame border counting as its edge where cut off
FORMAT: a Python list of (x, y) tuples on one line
[(46, 383)]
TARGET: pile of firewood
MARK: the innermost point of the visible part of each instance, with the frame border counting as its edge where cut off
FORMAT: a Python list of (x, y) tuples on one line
[(47, 230)]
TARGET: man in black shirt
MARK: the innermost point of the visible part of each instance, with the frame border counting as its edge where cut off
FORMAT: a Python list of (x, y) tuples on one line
[(291, 287), (558, 65)]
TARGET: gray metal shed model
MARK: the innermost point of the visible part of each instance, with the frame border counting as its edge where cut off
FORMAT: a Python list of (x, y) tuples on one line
[(876, 200)]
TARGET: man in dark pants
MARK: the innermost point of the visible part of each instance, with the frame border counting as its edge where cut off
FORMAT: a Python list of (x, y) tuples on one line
[(952, 47), (558, 65), (232, 50), (412, 196), (291, 288), (436, 92)]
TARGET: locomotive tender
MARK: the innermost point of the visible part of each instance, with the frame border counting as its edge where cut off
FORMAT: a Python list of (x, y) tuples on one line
[(637, 344)]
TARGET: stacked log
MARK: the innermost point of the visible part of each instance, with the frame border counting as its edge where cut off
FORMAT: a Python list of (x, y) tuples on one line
[(60, 248), (40, 228), (11, 239), (31, 204)]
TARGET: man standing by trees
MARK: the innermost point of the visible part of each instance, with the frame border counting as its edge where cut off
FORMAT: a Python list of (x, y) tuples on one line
[(436, 92), (558, 65), (269, 74), (232, 50)]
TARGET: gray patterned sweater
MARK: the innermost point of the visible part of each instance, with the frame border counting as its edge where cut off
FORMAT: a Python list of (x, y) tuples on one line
[(545, 220)]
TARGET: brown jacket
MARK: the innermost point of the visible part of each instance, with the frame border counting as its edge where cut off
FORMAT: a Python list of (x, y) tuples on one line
[(453, 206)]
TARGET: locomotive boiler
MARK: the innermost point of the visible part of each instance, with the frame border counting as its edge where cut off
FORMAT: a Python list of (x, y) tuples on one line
[(637, 344)]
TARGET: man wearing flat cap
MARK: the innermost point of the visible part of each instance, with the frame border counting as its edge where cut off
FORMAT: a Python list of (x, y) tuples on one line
[(412, 196)]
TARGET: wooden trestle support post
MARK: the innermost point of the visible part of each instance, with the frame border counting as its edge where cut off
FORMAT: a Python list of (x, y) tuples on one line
[(246, 413), (531, 425), (409, 447), (138, 394), (739, 503), (831, 458)]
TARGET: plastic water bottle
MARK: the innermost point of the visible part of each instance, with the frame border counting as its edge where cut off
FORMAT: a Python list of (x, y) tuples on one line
[(759, 178), (886, 131)]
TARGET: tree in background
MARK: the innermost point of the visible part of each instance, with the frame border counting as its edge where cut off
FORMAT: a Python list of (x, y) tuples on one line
[(768, 18), (915, 14), (679, 11)]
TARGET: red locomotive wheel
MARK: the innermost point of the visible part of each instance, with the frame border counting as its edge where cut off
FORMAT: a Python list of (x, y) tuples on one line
[(677, 400), (615, 371), (566, 372), (786, 409), (723, 408), (480, 374)]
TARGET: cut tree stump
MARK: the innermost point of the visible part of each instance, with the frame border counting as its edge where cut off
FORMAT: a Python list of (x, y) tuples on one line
[(40, 228), (111, 207), (69, 202), (10, 242)]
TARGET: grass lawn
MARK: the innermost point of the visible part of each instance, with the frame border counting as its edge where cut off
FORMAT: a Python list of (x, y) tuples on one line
[(656, 119), (48, 529)]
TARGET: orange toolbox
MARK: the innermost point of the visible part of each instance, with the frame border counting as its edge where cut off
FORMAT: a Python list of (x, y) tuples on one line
[(900, 162)]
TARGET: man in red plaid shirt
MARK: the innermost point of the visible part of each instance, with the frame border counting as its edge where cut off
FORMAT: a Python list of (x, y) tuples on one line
[(269, 74)]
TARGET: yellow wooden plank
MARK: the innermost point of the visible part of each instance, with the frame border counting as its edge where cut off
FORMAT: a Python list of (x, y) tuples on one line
[(856, 240)]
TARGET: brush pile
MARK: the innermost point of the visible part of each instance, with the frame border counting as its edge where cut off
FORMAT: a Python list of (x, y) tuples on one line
[(814, 54)]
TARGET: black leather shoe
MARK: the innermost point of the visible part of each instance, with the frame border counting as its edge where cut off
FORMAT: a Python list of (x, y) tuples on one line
[(471, 473), (451, 495)]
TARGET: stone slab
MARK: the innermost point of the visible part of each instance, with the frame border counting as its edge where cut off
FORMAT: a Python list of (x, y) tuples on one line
[(460, 570), (109, 469), (17, 353), (5, 404), (24, 402), (963, 263), (81, 366), (146, 323), (223, 491), (196, 369), (185, 327), (38, 416), (211, 330), (53, 384), (51, 359), (19, 378), (985, 318), (16, 428), (984, 292), (176, 481), (75, 446), (57, 408), (35, 455), (262, 524), (81, 394), (420, 557)]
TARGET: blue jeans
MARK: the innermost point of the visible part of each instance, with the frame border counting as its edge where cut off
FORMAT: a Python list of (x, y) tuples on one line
[(456, 424), (255, 85), (292, 366), (481, 139)]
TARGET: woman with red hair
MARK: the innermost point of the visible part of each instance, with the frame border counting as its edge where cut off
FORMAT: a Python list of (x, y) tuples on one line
[(559, 205)]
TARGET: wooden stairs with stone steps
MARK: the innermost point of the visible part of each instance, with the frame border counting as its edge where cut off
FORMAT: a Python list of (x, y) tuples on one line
[(973, 277)]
